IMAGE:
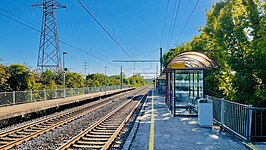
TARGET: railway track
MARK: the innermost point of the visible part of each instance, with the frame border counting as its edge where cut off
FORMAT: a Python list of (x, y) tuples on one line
[(24, 133), (102, 134)]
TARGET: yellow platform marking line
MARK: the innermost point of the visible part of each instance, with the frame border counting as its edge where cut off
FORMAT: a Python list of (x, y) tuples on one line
[(151, 143), (251, 146)]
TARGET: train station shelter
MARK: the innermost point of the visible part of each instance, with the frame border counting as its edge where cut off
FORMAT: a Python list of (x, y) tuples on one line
[(161, 83), (185, 81)]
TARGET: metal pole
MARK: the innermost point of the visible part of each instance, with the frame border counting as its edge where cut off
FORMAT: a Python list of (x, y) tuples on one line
[(222, 112), (14, 97), (105, 76), (161, 59), (203, 83), (174, 89), (121, 78), (189, 82), (249, 121), (198, 83), (193, 83), (156, 77), (64, 74)]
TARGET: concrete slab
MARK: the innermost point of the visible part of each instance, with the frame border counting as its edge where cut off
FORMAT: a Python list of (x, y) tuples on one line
[(261, 146), (171, 133), (22, 109)]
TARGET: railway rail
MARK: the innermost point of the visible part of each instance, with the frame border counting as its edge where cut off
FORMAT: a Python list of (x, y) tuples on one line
[(13, 137), (103, 133)]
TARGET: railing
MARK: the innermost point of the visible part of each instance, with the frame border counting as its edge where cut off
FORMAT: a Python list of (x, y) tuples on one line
[(19, 97), (233, 116), (258, 132)]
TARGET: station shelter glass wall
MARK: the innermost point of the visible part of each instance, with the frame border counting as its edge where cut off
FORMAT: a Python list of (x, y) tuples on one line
[(161, 85), (183, 87)]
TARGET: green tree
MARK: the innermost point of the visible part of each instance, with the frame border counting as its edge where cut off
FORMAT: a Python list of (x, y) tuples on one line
[(4, 76), (34, 82), (74, 80), (19, 75), (48, 80), (114, 80), (96, 80), (234, 36), (136, 81)]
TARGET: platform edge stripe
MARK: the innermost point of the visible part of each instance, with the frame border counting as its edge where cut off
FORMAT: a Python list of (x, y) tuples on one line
[(151, 143)]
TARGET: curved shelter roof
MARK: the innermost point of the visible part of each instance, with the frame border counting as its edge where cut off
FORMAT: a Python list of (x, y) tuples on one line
[(191, 60)]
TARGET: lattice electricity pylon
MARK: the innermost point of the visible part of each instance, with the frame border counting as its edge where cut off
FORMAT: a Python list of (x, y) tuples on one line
[(49, 52)]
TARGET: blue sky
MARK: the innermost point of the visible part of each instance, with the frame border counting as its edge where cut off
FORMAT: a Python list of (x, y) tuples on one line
[(137, 23)]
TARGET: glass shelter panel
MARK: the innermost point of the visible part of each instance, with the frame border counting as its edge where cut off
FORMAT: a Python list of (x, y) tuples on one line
[(188, 85)]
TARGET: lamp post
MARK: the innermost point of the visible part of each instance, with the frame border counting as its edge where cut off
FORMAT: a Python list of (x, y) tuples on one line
[(64, 73), (105, 76)]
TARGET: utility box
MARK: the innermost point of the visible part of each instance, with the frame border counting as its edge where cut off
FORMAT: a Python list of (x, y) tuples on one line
[(205, 113)]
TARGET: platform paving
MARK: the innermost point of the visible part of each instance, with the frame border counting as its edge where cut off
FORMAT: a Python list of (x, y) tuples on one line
[(174, 133), (22, 109)]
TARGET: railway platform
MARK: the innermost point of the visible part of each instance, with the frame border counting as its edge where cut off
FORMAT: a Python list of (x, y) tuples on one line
[(13, 111), (155, 128)]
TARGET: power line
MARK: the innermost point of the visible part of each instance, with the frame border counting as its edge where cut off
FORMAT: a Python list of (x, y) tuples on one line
[(70, 45), (164, 22), (19, 22), (66, 43), (134, 61), (187, 21), (171, 24), (105, 30), (116, 36), (173, 27)]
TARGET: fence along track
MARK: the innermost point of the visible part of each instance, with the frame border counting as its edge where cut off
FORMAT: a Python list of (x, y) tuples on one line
[(19, 135), (101, 134)]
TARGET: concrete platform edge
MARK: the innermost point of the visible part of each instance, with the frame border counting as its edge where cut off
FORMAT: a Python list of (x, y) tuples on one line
[(134, 129), (250, 146), (75, 99)]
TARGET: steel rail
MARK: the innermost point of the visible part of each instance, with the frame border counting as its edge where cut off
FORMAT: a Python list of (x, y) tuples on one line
[(32, 130), (109, 138)]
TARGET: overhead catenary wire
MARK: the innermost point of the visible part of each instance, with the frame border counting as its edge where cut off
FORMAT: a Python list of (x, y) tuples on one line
[(165, 16), (61, 41), (112, 32), (148, 54), (173, 27), (172, 23), (116, 36), (107, 32), (71, 23), (183, 29)]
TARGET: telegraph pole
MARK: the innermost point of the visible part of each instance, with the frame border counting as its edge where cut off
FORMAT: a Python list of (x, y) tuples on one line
[(49, 52)]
